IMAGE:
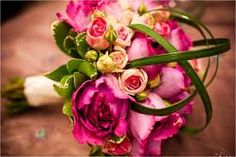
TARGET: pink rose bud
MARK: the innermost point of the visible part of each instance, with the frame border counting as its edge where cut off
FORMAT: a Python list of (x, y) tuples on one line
[(95, 34), (125, 35), (133, 81), (162, 28), (120, 57)]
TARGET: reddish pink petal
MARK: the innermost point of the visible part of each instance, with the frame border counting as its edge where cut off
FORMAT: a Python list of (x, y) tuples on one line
[(147, 121)]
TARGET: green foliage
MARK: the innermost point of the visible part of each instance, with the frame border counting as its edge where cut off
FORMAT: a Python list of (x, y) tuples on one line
[(67, 108), (58, 73), (79, 79), (60, 31), (83, 67), (70, 46), (66, 87), (82, 45)]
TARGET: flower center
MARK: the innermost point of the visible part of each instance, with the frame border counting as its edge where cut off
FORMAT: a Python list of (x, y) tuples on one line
[(98, 27), (123, 33), (133, 82)]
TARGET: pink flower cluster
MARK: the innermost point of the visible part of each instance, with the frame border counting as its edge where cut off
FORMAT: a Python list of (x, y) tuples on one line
[(101, 108)]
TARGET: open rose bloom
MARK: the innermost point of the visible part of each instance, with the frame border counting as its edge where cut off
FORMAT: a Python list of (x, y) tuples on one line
[(114, 103)]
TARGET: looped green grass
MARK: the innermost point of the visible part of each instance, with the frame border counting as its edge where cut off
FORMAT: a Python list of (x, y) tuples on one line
[(181, 59)]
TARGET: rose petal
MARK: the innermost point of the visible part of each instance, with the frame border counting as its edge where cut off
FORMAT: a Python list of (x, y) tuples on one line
[(147, 121), (179, 39), (121, 128), (186, 109), (172, 82), (142, 46), (153, 147), (169, 127)]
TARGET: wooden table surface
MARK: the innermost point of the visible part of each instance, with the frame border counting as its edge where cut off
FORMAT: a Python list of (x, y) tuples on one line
[(28, 49)]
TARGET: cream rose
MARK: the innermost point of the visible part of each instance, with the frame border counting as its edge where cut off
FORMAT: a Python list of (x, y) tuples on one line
[(133, 81), (161, 16), (120, 57), (105, 64), (146, 19), (126, 17), (125, 35)]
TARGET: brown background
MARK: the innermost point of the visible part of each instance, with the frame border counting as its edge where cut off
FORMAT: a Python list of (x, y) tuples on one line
[(27, 48)]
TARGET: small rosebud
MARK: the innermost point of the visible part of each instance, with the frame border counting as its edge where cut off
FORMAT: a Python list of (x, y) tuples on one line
[(96, 14), (105, 64), (155, 82), (142, 9), (91, 55), (111, 35), (172, 64), (141, 96)]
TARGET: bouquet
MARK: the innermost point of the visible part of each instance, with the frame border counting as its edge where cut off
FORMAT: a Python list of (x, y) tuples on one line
[(132, 76)]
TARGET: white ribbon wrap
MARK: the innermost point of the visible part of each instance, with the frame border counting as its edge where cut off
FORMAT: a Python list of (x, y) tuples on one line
[(39, 91)]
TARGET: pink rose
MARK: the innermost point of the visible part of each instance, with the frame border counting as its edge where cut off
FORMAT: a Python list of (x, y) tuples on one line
[(122, 148), (143, 46), (125, 35), (95, 34), (133, 81), (100, 110), (162, 28), (120, 57), (78, 13)]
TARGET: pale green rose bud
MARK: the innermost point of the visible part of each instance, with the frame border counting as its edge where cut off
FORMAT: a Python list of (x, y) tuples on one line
[(111, 35), (96, 14), (142, 9), (91, 55), (142, 96), (105, 64)]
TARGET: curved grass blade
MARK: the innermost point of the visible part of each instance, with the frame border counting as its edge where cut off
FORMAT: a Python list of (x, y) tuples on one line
[(187, 67), (222, 46)]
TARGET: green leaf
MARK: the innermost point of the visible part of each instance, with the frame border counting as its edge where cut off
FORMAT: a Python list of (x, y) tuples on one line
[(66, 88), (83, 67), (219, 46), (187, 67), (79, 79), (82, 45), (67, 108), (57, 74), (60, 31), (70, 46)]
